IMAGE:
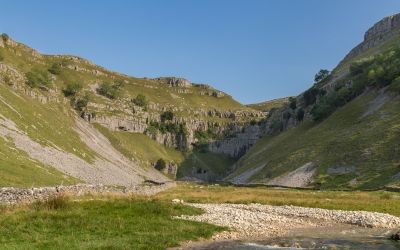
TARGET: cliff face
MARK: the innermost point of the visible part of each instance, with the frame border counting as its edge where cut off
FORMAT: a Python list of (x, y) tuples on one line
[(377, 34)]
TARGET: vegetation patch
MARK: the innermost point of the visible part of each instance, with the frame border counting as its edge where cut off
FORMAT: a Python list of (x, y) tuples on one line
[(108, 224)]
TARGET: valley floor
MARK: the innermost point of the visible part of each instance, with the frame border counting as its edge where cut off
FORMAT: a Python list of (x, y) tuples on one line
[(129, 221)]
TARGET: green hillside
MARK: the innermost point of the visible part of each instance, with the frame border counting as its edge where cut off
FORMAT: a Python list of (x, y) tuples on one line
[(349, 128), (347, 138), (44, 95)]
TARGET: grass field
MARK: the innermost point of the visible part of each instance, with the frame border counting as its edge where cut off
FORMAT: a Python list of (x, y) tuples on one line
[(385, 202), (134, 223)]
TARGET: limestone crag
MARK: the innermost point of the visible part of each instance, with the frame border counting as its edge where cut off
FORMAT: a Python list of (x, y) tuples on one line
[(238, 145), (174, 81), (377, 34)]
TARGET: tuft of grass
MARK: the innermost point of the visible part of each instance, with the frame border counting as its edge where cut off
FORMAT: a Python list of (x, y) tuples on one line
[(56, 202)]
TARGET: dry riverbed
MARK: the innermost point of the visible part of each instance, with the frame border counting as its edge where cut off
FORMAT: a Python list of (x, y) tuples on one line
[(256, 221)]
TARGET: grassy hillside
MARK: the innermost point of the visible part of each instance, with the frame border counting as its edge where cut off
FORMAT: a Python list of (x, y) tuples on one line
[(349, 137), (141, 147), (44, 94), (268, 105)]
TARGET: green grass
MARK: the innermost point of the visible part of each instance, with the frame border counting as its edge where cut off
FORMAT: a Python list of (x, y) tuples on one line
[(268, 105), (139, 146), (107, 224), (48, 124), (371, 144), (385, 202)]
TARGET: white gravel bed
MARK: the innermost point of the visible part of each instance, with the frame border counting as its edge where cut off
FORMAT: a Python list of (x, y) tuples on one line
[(256, 220)]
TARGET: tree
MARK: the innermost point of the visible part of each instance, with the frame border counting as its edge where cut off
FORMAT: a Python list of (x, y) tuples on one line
[(167, 116), (55, 69), (160, 164), (140, 100), (321, 75), (5, 37), (292, 103), (72, 89), (81, 103)]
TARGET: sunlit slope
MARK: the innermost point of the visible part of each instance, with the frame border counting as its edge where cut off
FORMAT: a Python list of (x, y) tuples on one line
[(360, 135)]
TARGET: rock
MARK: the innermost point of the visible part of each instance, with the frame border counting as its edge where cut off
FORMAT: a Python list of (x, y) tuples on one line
[(377, 34), (177, 201), (174, 81)]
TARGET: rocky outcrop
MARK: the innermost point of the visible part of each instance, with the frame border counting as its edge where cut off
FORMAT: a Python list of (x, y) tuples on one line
[(174, 81), (237, 145), (377, 34)]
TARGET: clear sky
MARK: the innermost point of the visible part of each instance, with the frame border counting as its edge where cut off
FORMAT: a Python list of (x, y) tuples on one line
[(253, 50)]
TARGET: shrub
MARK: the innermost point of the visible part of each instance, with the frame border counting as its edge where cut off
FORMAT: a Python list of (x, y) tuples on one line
[(37, 79), (395, 85), (81, 103), (55, 69), (292, 103), (72, 89), (310, 95), (140, 100), (160, 164), (108, 90), (5, 37), (167, 116)]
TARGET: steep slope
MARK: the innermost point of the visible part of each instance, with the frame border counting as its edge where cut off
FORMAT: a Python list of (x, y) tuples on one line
[(66, 120), (341, 133)]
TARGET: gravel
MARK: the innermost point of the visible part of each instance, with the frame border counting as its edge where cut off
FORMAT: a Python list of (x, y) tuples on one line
[(258, 221)]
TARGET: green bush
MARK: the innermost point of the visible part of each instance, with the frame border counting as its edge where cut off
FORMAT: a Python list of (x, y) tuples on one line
[(55, 69), (160, 164), (167, 116), (395, 85), (72, 89), (140, 100), (329, 103), (310, 95), (108, 90), (35, 79), (5, 37), (82, 102), (292, 103)]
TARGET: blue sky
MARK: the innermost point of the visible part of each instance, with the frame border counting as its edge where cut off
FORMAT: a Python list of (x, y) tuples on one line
[(253, 50)]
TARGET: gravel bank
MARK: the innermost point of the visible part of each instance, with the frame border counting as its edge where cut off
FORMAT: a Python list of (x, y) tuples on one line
[(257, 221)]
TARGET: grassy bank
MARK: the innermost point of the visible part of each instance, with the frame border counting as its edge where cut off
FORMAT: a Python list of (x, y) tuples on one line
[(385, 202), (99, 224)]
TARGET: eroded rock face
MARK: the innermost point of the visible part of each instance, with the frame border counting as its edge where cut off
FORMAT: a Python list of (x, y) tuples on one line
[(174, 81), (377, 34), (238, 145)]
